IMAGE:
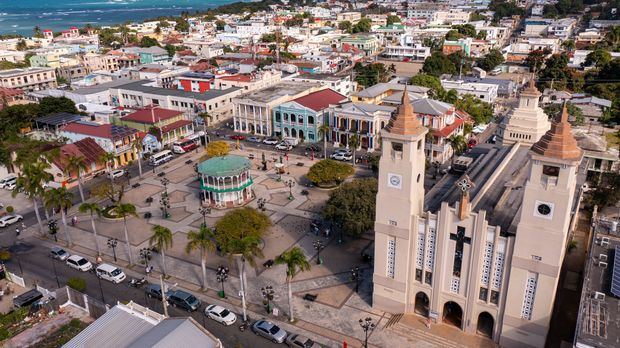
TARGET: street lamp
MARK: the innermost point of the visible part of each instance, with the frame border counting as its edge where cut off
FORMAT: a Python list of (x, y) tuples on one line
[(261, 203), (164, 201), (367, 325), (100, 288), (53, 227), (222, 276), (267, 293), (318, 246), (204, 212), (356, 277), (145, 256), (112, 243), (290, 183)]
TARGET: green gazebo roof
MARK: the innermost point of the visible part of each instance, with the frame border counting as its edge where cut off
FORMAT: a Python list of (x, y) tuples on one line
[(224, 165)]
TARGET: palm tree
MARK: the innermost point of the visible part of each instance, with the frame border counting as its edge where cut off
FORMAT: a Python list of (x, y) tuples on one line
[(354, 142), (126, 210), (201, 240), (31, 182), (92, 208), (77, 164), (108, 157), (162, 239), (295, 261), (324, 130), (458, 144), (137, 147), (60, 198)]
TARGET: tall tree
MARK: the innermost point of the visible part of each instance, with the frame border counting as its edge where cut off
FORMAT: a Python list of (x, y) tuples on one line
[(92, 209), (76, 164), (295, 261), (162, 240), (126, 210), (354, 143), (60, 199), (351, 207), (458, 144), (136, 145), (31, 181), (50, 105), (437, 64), (109, 159), (201, 240)]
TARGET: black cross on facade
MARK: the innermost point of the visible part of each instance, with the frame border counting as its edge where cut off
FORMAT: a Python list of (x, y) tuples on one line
[(460, 239)]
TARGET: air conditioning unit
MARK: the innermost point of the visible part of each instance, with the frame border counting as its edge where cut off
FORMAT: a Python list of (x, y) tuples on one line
[(605, 241), (602, 264), (599, 296), (602, 257), (597, 241)]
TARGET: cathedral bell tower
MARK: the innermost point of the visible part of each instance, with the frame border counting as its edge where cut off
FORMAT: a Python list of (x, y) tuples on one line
[(400, 200), (541, 236)]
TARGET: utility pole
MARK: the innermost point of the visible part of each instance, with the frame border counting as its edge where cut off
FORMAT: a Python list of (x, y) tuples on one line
[(163, 295)]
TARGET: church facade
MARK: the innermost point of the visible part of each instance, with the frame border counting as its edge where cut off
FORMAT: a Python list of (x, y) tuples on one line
[(490, 262)]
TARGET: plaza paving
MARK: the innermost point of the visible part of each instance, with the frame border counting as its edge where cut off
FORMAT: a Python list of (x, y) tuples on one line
[(334, 315)]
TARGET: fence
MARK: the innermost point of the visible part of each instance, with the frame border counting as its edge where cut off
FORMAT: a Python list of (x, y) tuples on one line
[(94, 307), (16, 279)]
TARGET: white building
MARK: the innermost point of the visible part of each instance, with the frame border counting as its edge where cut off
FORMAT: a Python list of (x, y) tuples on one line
[(340, 84), (451, 16), (414, 52), (483, 91)]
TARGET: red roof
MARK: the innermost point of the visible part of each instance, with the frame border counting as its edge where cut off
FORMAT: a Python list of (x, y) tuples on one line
[(108, 131), (318, 101), (87, 149), (239, 78), (151, 115), (175, 125), (10, 92), (447, 130)]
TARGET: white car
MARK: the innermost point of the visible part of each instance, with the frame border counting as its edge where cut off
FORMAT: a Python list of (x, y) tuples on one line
[(270, 141), (118, 173), (79, 263), (8, 179), (283, 146), (11, 186), (254, 140), (220, 314), (342, 156), (10, 219)]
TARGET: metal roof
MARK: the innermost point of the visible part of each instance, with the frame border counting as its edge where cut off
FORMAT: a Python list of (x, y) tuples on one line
[(140, 86), (177, 332), (58, 119), (615, 278), (224, 165)]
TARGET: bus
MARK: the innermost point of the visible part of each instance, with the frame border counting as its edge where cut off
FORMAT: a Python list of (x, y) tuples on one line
[(184, 145)]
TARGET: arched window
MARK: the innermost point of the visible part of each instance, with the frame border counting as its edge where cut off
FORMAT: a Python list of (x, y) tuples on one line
[(310, 119), (293, 118), (278, 116), (285, 117)]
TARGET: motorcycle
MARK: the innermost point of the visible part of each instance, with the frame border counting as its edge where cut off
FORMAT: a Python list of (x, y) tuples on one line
[(137, 282), (244, 325)]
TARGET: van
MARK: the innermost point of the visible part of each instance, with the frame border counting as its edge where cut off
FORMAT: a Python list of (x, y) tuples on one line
[(110, 273), (27, 298), (160, 157), (7, 180)]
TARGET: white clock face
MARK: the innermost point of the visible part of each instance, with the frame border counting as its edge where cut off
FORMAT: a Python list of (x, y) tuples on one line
[(395, 181)]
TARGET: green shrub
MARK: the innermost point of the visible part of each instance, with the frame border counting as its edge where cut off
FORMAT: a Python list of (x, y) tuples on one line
[(76, 283), (328, 172), (10, 209), (5, 255)]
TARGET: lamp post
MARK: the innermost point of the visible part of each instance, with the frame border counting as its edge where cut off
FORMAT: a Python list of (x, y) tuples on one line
[(318, 246), (267, 293), (222, 276), (112, 243), (367, 325), (290, 183), (204, 212), (164, 201), (261, 203), (100, 288), (55, 272), (356, 277), (53, 227)]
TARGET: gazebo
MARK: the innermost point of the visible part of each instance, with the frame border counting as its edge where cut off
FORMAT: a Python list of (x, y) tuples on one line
[(225, 181)]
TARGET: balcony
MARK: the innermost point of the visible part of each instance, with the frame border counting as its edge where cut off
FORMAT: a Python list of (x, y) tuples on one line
[(123, 148)]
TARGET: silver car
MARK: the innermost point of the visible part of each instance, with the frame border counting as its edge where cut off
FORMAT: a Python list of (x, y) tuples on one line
[(300, 341), (10, 219), (59, 253), (269, 330)]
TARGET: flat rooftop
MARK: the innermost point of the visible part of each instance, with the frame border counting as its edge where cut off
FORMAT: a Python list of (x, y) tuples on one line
[(277, 91), (141, 86)]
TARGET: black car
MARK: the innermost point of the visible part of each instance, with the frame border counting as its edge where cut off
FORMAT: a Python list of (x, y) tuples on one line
[(154, 291), (313, 147), (184, 300)]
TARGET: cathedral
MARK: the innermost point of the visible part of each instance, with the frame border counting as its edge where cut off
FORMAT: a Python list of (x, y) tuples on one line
[(482, 251)]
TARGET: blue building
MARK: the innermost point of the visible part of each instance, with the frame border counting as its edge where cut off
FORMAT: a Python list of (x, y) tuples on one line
[(301, 118)]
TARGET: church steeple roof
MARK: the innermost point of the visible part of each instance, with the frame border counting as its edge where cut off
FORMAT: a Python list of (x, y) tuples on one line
[(559, 141), (404, 121)]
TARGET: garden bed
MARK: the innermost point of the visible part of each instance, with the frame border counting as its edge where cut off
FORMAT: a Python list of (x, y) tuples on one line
[(63, 335), (109, 213), (13, 323)]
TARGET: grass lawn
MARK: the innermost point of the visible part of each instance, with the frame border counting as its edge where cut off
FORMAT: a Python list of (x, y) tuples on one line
[(62, 335), (613, 139)]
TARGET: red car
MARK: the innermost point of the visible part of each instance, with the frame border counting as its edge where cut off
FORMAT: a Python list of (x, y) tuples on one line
[(237, 137)]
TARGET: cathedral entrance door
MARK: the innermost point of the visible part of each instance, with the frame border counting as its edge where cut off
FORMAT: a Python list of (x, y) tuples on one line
[(453, 314), (485, 324), (421, 304)]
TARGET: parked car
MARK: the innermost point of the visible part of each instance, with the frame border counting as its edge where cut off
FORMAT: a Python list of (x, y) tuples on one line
[(79, 263), (220, 314), (117, 173), (283, 146), (254, 139), (110, 273), (271, 141), (237, 137), (341, 156), (27, 298), (11, 185), (59, 253), (269, 330), (184, 300), (313, 147), (8, 220), (154, 291), (300, 341), (7, 179), (347, 151)]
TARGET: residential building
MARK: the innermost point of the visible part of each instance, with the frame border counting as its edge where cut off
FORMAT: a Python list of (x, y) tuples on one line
[(424, 10), (248, 82), (253, 111), (357, 118), (167, 125), (484, 91), (375, 94), (72, 72), (414, 52), (505, 87), (28, 79), (85, 149), (352, 17), (205, 48), (452, 17), (112, 138), (302, 117), (11, 96), (341, 84), (367, 43), (598, 156), (164, 75), (149, 55), (463, 45)]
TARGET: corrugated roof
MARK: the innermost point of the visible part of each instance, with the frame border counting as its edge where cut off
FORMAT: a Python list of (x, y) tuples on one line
[(152, 115), (177, 332), (175, 125), (58, 119), (108, 131)]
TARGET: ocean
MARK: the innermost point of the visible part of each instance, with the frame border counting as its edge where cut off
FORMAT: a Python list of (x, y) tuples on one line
[(21, 16)]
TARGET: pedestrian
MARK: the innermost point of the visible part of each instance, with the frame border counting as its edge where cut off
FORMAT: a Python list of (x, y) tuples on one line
[(99, 260)]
